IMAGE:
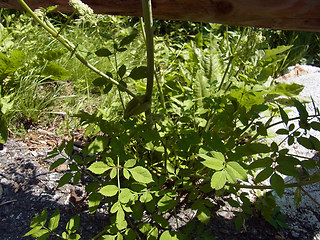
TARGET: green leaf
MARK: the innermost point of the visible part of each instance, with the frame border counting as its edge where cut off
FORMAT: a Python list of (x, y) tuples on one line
[(297, 197), (125, 195), (122, 71), (69, 148), (130, 163), (98, 145), (100, 81), (33, 231), (128, 39), (64, 179), (305, 142), (57, 163), (289, 90), (151, 232), (37, 232), (4, 133), (204, 215), (54, 220), (120, 219), (237, 169), (167, 235), (166, 203), (315, 126), (275, 51), (277, 184), (216, 162), (52, 54), (136, 106), (264, 174), (141, 174), (302, 110), (218, 180), (146, 197), (109, 190), (261, 163), (73, 224), (315, 142), (99, 167), (94, 201), (282, 131), (139, 73), (103, 52), (55, 72)]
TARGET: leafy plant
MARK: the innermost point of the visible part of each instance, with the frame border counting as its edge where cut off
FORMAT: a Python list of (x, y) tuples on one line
[(202, 133)]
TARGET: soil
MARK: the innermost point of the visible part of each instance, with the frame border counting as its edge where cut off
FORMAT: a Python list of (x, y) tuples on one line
[(27, 187)]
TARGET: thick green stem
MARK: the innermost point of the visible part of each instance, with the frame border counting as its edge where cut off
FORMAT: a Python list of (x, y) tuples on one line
[(72, 48), (147, 15)]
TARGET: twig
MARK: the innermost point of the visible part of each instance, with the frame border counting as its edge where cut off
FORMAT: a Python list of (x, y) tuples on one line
[(7, 202), (305, 192)]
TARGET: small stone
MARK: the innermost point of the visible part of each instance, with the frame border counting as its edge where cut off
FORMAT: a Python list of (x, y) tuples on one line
[(295, 234)]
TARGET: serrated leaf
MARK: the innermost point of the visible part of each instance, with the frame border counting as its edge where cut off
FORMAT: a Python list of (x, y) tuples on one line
[(94, 201), (54, 220), (238, 170), (64, 179), (218, 180), (99, 167), (139, 73), (141, 174), (264, 174), (277, 184), (103, 52), (109, 190)]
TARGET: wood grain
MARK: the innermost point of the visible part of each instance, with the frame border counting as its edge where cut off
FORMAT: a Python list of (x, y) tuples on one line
[(301, 15)]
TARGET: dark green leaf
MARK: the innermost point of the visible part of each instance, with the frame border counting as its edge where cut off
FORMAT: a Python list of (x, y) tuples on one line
[(107, 88), (57, 163), (282, 131), (94, 201), (73, 224), (98, 145), (69, 148), (297, 197), (106, 35), (315, 126), (302, 110), (122, 71), (264, 174), (64, 179), (315, 142), (284, 115), (305, 142), (277, 184), (166, 203), (123, 84), (128, 39), (103, 52), (139, 73), (100, 81), (55, 72)]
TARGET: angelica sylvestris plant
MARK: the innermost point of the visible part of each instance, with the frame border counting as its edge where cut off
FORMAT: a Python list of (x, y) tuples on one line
[(201, 135)]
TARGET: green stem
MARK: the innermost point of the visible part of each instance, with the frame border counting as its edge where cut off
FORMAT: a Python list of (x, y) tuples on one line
[(72, 48), (147, 15), (291, 119)]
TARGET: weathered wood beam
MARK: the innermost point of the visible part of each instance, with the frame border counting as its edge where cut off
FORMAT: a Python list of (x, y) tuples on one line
[(301, 15)]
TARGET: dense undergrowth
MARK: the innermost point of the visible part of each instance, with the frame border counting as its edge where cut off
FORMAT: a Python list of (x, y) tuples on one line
[(213, 102)]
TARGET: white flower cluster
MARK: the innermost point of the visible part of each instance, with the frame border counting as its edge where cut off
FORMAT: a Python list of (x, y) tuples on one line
[(82, 8)]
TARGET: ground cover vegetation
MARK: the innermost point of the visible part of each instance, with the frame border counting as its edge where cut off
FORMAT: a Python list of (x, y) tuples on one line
[(200, 131)]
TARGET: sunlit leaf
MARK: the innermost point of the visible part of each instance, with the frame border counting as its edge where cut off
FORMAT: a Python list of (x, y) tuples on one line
[(218, 180), (54, 220), (141, 174), (99, 167), (109, 190)]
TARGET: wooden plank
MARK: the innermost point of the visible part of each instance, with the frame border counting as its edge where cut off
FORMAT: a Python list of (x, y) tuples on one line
[(277, 14)]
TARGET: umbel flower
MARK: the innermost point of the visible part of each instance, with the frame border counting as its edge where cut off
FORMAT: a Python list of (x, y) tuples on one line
[(82, 8)]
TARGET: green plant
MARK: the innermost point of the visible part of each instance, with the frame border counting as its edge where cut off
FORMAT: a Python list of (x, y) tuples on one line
[(203, 137)]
